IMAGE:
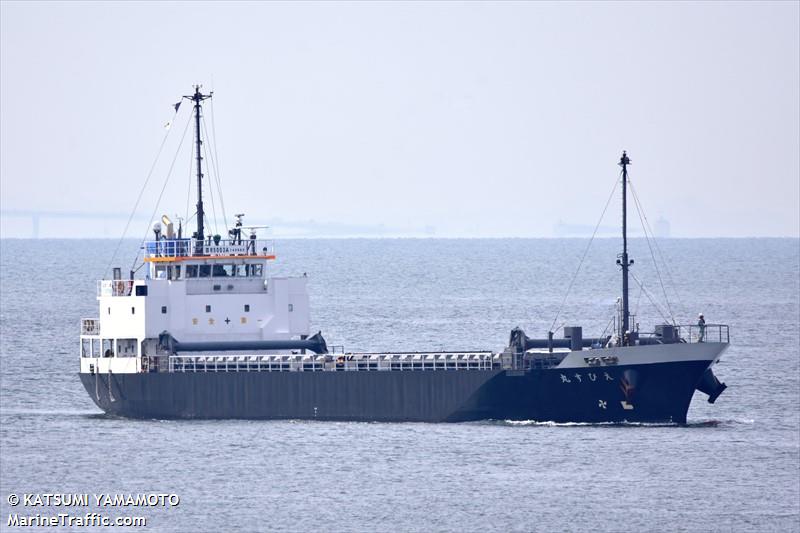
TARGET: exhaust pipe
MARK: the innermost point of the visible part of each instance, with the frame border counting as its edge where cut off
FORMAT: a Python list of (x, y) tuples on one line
[(709, 384)]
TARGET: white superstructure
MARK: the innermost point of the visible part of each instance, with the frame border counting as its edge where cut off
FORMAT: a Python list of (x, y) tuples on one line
[(209, 291)]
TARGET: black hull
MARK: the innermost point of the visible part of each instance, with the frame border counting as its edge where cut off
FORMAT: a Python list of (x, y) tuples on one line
[(659, 392)]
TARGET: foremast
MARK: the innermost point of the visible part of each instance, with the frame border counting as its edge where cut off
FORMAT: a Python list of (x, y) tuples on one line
[(197, 98), (623, 258)]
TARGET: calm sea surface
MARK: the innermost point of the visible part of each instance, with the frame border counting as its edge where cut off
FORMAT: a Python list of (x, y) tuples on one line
[(735, 467)]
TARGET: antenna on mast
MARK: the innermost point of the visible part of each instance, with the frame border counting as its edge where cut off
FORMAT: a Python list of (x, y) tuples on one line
[(197, 98)]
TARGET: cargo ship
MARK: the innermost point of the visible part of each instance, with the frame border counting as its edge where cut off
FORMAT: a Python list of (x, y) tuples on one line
[(206, 333)]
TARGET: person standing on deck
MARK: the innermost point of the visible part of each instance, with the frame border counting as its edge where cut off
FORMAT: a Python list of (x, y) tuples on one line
[(701, 325)]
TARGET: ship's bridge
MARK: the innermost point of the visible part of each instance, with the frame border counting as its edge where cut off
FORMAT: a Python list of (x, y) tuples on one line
[(176, 250), (214, 290), (191, 258)]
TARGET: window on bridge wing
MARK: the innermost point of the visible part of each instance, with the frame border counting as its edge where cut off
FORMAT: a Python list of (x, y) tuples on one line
[(256, 271), (205, 271)]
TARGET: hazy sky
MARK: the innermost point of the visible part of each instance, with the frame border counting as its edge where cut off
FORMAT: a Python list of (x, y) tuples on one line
[(473, 119)]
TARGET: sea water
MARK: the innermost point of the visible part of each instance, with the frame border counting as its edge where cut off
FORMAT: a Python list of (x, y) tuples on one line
[(734, 466)]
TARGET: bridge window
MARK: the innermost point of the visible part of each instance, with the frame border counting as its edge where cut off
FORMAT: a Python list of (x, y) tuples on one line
[(205, 271), (191, 271), (86, 347), (255, 271), (223, 271), (161, 272), (241, 271)]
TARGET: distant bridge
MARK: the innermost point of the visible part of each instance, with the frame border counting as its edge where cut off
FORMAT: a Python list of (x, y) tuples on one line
[(304, 227), (36, 215)]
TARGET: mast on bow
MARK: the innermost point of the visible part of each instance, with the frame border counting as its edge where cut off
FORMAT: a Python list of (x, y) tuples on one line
[(623, 260)]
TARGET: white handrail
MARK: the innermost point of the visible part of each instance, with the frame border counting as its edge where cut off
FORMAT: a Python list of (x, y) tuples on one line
[(171, 248), (115, 287), (90, 326), (362, 362)]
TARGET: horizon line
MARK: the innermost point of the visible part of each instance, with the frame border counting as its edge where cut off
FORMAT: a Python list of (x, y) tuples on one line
[(426, 237)]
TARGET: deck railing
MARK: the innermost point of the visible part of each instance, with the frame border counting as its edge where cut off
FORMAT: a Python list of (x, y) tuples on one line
[(691, 333), (344, 363), (173, 248), (114, 287), (90, 326), (710, 333)]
